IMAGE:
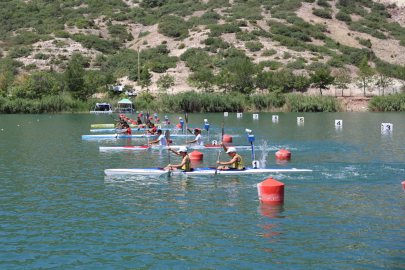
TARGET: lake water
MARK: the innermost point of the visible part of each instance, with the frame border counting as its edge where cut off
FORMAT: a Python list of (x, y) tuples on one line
[(59, 210)]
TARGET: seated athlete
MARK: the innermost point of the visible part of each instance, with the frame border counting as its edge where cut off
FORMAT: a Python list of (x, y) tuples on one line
[(127, 130), (185, 164), (198, 139), (236, 162), (161, 140), (152, 129)]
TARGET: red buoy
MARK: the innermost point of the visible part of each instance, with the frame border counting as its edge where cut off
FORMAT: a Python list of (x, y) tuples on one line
[(271, 191), (140, 115), (283, 155), (168, 122), (227, 139), (157, 119), (179, 125), (170, 140), (195, 155), (150, 117), (403, 185)]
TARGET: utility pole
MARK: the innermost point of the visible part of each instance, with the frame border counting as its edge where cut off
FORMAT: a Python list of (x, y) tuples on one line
[(138, 65), (371, 58)]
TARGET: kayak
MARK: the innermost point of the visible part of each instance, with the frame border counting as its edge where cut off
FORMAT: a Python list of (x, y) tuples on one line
[(157, 147), (113, 126), (204, 171), (115, 129), (112, 136)]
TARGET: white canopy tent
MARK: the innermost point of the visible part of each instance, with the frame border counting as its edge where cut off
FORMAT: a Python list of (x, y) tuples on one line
[(124, 102)]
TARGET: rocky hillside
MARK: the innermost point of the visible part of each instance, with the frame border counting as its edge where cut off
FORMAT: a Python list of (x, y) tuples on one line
[(202, 44)]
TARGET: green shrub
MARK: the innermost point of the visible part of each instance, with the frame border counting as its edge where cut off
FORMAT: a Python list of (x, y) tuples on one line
[(102, 45), (342, 16), (218, 29), (333, 62), (16, 52), (26, 38), (286, 55), (118, 30), (402, 43), (273, 65), (322, 13), (42, 56), (29, 67), (365, 42), (173, 26), (62, 34), (388, 103), (181, 46), (254, 46), (269, 52), (143, 34), (323, 3), (296, 65), (316, 65)]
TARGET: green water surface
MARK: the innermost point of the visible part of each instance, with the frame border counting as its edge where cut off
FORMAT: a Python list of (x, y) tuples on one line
[(59, 210)]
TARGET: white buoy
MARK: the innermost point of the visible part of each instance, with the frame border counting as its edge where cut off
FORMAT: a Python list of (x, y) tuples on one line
[(239, 115), (274, 118), (338, 123), (300, 120), (387, 127), (255, 116), (225, 113)]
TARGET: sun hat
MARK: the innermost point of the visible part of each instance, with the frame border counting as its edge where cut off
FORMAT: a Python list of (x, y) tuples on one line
[(183, 149), (196, 129), (231, 149)]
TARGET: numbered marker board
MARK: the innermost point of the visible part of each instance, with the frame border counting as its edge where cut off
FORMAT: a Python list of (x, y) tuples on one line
[(338, 123), (275, 118), (256, 116), (387, 127), (225, 113), (300, 120), (255, 164), (214, 142), (239, 115)]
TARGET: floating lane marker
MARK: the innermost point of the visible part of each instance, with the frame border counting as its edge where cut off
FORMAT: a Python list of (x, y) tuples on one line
[(271, 191), (387, 127), (239, 115), (274, 118), (255, 117), (338, 123), (225, 113), (300, 120)]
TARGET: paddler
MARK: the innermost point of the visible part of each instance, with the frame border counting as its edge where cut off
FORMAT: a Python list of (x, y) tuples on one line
[(152, 130), (236, 162), (127, 130), (185, 164), (138, 121), (198, 139), (161, 140)]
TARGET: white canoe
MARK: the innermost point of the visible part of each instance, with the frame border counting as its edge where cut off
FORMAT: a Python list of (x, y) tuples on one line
[(175, 147), (204, 171), (112, 136)]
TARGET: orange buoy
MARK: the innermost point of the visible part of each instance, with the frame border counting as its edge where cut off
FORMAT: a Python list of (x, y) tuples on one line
[(157, 119), (140, 115), (403, 185), (283, 155), (179, 125), (227, 139), (168, 122), (170, 140), (271, 191), (195, 155), (150, 117)]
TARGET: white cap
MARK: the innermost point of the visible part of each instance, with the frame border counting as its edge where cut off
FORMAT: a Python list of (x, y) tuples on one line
[(231, 149), (183, 149)]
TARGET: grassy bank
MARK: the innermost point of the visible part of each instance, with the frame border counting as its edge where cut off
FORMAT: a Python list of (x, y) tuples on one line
[(390, 103), (212, 102), (182, 102)]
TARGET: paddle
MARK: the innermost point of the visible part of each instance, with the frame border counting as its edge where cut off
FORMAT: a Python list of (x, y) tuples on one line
[(219, 152), (167, 136), (186, 127)]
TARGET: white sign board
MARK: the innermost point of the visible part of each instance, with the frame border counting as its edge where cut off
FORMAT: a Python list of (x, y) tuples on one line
[(338, 123), (214, 142), (225, 113), (255, 164), (274, 118), (300, 120), (256, 116), (387, 127), (239, 115)]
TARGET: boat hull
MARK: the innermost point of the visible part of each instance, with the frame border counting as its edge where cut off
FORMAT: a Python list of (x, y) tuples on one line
[(205, 171), (112, 136), (113, 126), (175, 147)]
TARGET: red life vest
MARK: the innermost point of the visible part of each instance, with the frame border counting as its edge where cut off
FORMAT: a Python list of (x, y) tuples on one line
[(129, 131)]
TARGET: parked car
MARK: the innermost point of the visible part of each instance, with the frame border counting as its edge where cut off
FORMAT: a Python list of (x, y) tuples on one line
[(129, 92)]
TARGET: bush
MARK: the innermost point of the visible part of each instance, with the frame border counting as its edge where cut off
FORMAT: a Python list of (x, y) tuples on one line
[(42, 56), (254, 46), (181, 46), (333, 62), (118, 30), (402, 43), (342, 16), (316, 65), (62, 34), (16, 52), (322, 13), (269, 52), (365, 42), (102, 45), (173, 26), (389, 103), (296, 65), (286, 55), (273, 65), (29, 67), (218, 29), (323, 3), (143, 34)]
